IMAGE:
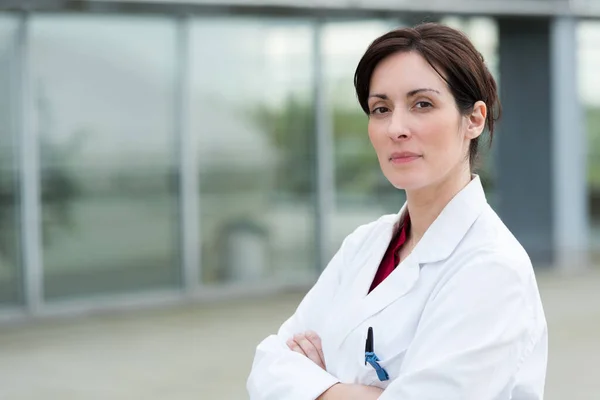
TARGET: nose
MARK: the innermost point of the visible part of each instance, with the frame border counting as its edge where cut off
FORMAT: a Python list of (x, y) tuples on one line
[(397, 127)]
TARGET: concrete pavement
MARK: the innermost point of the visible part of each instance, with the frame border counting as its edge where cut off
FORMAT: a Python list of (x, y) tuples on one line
[(204, 351)]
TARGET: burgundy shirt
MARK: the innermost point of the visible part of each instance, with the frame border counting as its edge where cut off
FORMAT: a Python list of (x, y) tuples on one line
[(391, 259)]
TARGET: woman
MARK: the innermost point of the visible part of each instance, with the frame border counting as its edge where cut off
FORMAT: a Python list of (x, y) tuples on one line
[(440, 300)]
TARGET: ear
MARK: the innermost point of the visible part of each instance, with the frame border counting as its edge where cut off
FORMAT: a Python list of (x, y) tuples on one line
[(476, 120)]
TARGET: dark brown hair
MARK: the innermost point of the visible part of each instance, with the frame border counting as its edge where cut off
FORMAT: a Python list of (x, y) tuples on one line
[(453, 57)]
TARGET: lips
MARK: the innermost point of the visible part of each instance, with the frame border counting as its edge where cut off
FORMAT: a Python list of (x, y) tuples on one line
[(404, 156)]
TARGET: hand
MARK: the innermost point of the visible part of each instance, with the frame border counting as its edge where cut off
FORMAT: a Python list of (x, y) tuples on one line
[(308, 344), (343, 391)]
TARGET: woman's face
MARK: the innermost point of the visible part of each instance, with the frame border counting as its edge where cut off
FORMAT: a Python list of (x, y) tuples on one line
[(419, 135)]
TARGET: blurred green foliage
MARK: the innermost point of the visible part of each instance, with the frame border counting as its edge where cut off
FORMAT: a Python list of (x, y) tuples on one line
[(291, 129)]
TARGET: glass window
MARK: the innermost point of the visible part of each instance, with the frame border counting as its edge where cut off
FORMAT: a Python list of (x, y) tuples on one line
[(104, 97), (10, 276), (252, 114), (589, 89)]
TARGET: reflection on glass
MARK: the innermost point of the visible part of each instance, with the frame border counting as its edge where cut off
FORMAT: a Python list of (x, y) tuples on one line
[(104, 90), (589, 88), (363, 193), (10, 282), (252, 112)]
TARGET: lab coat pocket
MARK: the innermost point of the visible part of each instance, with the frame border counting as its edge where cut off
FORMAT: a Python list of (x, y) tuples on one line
[(391, 365)]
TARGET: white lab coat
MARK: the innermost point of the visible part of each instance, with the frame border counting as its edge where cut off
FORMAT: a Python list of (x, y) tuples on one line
[(459, 319)]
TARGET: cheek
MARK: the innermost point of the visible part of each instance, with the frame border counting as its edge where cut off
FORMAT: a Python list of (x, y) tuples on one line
[(376, 136), (442, 135)]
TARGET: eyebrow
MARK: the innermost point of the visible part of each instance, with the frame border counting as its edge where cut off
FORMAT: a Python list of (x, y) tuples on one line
[(409, 94)]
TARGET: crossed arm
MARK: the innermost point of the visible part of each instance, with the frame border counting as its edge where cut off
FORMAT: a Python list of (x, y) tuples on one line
[(296, 369), (309, 345), (473, 355)]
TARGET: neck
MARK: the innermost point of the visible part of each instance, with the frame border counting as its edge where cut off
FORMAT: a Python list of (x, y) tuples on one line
[(425, 204)]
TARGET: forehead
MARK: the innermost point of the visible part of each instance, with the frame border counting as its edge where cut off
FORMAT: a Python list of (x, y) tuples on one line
[(405, 71)]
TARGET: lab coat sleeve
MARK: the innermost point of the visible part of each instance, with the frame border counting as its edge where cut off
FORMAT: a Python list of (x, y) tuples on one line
[(279, 373), (473, 336)]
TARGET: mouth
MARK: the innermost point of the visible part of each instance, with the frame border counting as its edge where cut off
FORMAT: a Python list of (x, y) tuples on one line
[(403, 158)]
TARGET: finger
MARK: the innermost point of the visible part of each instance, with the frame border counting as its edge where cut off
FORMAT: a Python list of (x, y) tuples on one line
[(291, 343), (309, 349), (315, 339)]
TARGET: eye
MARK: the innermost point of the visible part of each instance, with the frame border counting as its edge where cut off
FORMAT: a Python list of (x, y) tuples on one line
[(423, 104), (380, 110)]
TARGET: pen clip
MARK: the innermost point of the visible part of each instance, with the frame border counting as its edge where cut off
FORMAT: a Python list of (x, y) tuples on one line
[(372, 359)]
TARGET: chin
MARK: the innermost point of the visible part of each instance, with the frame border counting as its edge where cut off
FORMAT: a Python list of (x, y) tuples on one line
[(407, 181), (406, 184)]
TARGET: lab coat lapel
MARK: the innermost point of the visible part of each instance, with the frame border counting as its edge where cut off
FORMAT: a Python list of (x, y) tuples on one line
[(362, 304), (395, 286)]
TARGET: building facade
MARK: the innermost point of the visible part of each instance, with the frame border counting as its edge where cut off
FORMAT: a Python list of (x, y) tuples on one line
[(161, 150)]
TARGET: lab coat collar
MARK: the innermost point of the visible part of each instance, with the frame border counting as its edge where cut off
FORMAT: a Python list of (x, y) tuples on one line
[(450, 227)]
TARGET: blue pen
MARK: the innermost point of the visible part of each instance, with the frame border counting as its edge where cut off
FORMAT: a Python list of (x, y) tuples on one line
[(371, 357)]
